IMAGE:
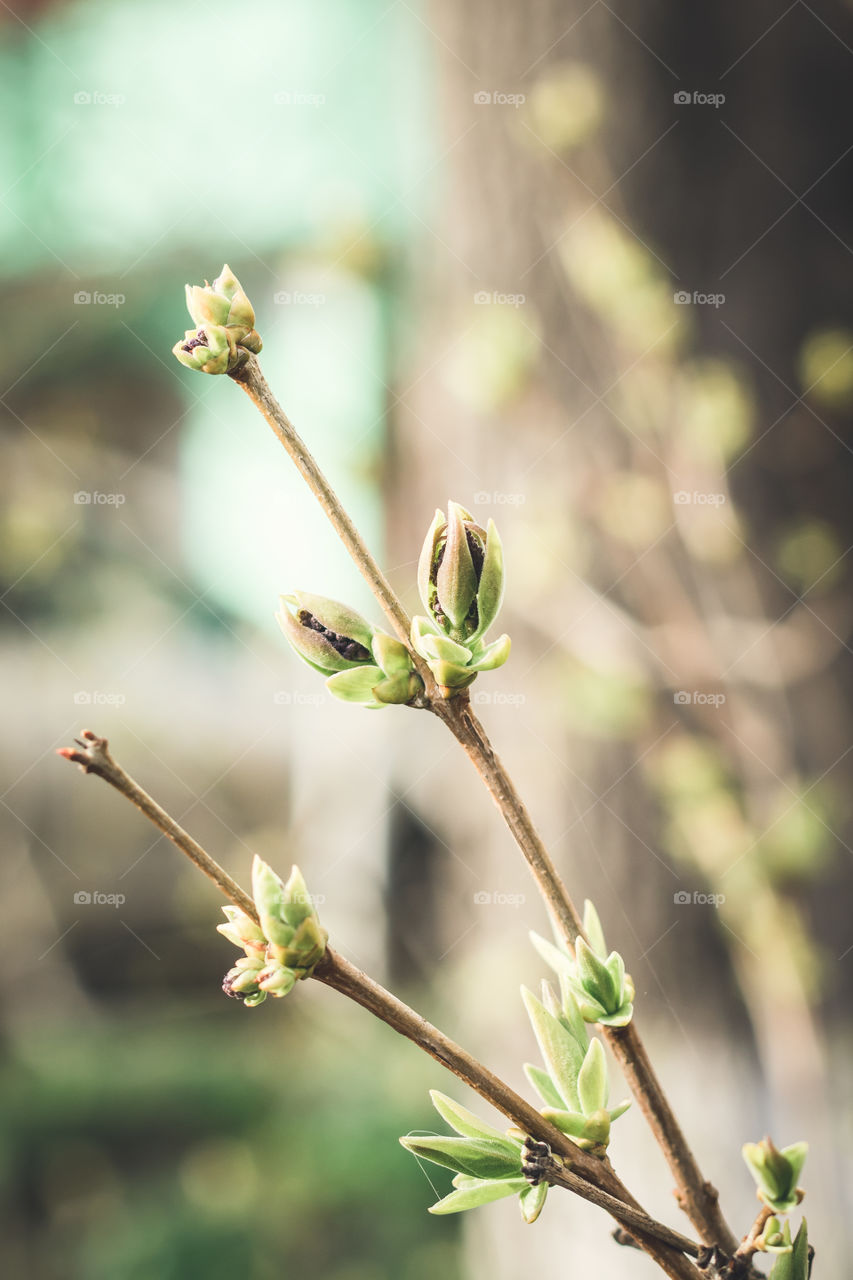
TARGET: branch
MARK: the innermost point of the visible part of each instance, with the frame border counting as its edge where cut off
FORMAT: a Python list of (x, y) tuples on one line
[(740, 1267), (698, 1198), (93, 756), (557, 1175), (594, 1180), (249, 377)]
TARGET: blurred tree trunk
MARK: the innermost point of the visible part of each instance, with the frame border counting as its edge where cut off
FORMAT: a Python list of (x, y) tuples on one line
[(576, 413)]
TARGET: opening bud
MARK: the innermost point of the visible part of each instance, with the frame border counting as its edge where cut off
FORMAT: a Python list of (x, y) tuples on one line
[(461, 574), (326, 634)]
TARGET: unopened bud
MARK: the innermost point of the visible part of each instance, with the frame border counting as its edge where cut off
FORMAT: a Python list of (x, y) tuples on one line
[(225, 326), (461, 575)]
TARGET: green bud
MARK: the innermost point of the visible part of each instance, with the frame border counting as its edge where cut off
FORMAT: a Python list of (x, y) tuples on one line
[(490, 656), (441, 648), (451, 677), (363, 665), (306, 947), (207, 350), (225, 326), (455, 576), (242, 980), (603, 990), (461, 574), (776, 1237), (207, 307), (402, 688), (390, 654), (358, 686), (327, 635), (276, 980), (241, 930), (594, 988), (595, 978), (455, 665), (268, 892), (289, 943), (223, 302), (297, 903), (776, 1172)]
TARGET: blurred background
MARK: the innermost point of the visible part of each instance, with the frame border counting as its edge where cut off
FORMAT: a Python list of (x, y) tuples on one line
[(584, 268)]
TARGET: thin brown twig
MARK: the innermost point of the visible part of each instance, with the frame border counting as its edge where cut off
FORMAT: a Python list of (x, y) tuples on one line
[(590, 1178), (698, 1198), (748, 1247), (93, 756), (559, 1176), (251, 379)]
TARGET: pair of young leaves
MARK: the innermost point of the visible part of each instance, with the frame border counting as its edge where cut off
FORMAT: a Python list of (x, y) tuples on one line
[(574, 1088), (486, 1162)]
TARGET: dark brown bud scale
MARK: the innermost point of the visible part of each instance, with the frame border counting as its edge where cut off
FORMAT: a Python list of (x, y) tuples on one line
[(535, 1158), (229, 989), (200, 340), (347, 648)]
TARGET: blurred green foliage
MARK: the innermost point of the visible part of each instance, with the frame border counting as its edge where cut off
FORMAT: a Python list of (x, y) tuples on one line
[(176, 1151)]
